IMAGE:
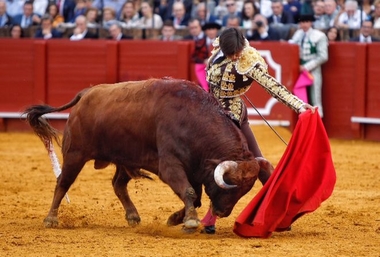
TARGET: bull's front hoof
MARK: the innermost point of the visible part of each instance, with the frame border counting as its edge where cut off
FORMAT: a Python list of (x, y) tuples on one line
[(133, 220), (192, 223), (175, 219), (51, 222)]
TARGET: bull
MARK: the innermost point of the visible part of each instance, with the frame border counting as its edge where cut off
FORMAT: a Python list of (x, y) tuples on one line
[(167, 127)]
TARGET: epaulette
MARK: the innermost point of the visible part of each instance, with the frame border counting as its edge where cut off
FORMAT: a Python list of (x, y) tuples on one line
[(248, 59)]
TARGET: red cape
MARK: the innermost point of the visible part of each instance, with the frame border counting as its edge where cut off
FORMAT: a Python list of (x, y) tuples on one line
[(303, 179)]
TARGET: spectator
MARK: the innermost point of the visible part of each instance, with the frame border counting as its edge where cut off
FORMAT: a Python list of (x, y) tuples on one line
[(149, 19), (66, 9), (313, 51), (203, 14), (233, 22), (195, 30), (46, 30), (180, 18), (168, 32), (116, 5), (115, 33), (28, 17), (232, 12), (319, 11), (351, 17), (247, 14), (166, 10), (52, 10), (332, 12), (280, 16), (129, 16), (307, 7), (109, 17), (220, 11), (39, 7), (81, 31), (14, 8), (261, 31), (16, 31), (5, 19), (367, 7), (80, 9), (266, 8), (366, 31), (376, 15), (294, 7), (92, 17), (333, 34)]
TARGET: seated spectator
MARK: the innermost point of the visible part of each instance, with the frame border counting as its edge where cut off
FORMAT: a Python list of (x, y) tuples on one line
[(46, 30), (220, 11), (168, 32), (366, 31), (39, 7), (28, 17), (247, 14), (351, 17), (115, 5), (203, 14), (129, 17), (149, 20), (52, 10), (80, 9), (319, 11), (233, 22), (115, 33), (232, 12), (180, 18), (376, 15), (166, 8), (5, 19), (16, 31), (280, 16), (195, 30), (109, 17), (294, 7), (92, 17), (261, 31), (333, 34), (66, 9), (332, 11), (14, 7), (81, 31)]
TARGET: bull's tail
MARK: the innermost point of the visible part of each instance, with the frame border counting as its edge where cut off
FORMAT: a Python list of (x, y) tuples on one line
[(40, 125)]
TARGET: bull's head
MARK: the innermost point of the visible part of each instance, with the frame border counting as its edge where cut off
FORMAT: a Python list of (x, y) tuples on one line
[(233, 180)]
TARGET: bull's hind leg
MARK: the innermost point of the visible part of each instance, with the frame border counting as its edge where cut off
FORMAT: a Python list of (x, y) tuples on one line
[(119, 183), (72, 165)]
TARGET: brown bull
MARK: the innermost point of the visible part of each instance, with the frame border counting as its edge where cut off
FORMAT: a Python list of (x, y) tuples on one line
[(169, 127)]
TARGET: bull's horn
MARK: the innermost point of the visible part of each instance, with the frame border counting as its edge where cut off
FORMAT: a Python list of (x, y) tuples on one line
[(222, 168)]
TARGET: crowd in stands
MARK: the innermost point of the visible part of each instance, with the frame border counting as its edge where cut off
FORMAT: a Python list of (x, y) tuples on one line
[(261, 20)]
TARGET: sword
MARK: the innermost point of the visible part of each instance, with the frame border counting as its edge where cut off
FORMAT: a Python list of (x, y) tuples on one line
[(254, 107)]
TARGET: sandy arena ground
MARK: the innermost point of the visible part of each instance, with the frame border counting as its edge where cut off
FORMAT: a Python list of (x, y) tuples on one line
[(93, 224)]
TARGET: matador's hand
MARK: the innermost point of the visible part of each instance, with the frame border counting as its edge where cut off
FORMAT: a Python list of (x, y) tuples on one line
[(305, 107)]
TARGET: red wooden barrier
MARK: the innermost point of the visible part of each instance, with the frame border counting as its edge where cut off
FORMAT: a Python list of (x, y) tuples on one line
[(37, 71)]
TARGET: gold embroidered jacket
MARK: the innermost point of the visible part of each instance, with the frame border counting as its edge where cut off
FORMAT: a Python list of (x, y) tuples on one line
[(229, 79)]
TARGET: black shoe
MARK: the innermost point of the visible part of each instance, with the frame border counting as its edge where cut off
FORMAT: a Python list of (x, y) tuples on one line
[(208, 229)]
